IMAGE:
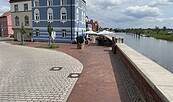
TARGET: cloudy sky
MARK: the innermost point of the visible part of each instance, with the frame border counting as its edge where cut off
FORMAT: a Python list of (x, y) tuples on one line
[(126, 13)]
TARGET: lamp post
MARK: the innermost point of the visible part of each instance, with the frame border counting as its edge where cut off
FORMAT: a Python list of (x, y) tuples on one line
[(77, 29), (77, 22), (71, 20)]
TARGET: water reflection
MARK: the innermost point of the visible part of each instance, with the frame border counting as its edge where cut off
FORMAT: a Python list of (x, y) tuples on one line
[(160, 51)]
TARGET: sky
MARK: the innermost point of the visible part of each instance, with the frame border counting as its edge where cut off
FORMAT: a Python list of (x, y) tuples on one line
[(125, 13)]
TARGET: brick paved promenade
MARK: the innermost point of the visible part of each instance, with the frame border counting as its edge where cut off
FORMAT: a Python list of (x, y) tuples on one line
[(100, 80), (25, 74)]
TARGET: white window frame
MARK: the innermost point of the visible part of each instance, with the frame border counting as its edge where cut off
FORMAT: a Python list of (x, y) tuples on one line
[(77, 14), (63, 2), (16, 8), (36, 15), (36, 3), (26, 20), (50, 15), (77, 3), (63, 14), (49, 2), (82, 17), (37, 32), (25, 6), (64, 34), (17, 22)]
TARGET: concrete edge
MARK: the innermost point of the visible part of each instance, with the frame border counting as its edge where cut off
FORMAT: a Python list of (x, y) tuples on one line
[(155, 86)]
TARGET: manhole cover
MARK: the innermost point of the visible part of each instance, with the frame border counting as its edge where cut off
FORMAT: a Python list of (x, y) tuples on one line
[(55, 68), (74, 75)]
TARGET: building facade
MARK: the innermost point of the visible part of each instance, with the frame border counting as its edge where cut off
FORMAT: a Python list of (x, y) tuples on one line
[(21, 11), (6, 25), (67, 17), (94, 25)]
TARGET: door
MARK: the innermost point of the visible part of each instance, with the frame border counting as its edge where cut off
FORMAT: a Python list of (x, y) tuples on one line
[(19, 36)]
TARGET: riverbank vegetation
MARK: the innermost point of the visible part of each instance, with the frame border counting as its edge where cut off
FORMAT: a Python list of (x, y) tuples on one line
[(158, 33)]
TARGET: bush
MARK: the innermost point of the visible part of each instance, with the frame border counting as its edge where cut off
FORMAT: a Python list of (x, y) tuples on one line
[(80, 39), (53, 46)]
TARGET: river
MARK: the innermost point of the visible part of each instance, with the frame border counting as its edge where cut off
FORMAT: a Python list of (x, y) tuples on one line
[(160, 51)]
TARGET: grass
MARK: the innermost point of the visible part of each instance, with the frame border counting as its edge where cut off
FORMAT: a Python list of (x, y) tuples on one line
[(161, 35), (22, 44), (53, 46)]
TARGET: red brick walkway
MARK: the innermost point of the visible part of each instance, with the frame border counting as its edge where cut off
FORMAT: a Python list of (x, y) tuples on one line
[(99, 81)]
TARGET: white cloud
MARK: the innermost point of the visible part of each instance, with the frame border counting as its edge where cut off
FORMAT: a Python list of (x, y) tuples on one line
[(4, 6), (142, 11), (160, 2), (165, 19), (102, 4)]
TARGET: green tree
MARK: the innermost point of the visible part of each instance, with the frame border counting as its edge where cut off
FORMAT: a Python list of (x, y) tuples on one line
[(49, 30), (157, 29), (22, 31), (164, 28)]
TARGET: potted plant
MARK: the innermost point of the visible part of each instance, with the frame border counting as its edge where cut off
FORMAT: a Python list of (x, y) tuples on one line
[(80, 42)]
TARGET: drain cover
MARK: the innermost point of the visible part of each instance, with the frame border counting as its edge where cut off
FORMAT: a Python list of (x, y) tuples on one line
[(55, 68), (74, 75)]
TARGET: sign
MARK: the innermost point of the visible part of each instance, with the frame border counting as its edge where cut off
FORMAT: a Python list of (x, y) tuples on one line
[(53, 35)]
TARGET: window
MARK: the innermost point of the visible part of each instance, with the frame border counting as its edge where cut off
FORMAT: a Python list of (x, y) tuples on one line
[(49, 14), (37, 32), (82, 16), (63, 2), (49, 2), (63, 33), (63, 14), (17, 21), (25, 7), (16, 8), (77, 2), (36, 3), (77, 14), (36, 15), (26, 21)]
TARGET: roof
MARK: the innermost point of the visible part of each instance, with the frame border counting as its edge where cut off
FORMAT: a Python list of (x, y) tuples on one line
[(5, 14)]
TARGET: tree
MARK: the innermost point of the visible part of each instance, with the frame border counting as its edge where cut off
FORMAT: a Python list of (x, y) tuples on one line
[(157, 29), (164, 28), (49, 30), (22, 31)]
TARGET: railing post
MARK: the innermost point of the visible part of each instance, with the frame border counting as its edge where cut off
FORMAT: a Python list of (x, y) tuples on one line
[(114, 41)]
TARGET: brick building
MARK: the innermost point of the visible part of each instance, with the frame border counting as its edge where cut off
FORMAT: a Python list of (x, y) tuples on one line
[(6, 25)]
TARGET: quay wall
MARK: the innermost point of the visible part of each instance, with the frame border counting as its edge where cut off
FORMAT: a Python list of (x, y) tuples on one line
[(154, 82)]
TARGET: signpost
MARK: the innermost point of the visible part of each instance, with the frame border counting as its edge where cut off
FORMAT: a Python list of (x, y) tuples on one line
[(53, 36)]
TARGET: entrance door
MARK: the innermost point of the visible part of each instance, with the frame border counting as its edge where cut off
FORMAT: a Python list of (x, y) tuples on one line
[(19, 36)]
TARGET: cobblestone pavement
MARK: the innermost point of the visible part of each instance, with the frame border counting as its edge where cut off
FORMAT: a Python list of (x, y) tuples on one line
[(25, 74)]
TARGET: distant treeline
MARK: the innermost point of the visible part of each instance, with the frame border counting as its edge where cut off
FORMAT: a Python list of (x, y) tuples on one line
[(158, 33)]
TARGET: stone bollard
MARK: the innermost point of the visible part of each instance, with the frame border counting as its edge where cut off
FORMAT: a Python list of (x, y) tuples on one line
[(114, 41)]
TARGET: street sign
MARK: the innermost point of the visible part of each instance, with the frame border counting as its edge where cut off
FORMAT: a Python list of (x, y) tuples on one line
[(53, 35)]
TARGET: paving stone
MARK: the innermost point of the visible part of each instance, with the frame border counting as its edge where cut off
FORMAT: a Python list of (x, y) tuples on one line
[(25, 73)]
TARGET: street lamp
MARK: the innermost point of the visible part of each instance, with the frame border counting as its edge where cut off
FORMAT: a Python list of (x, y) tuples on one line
[(71, 20), (77, 29), (77, 22)]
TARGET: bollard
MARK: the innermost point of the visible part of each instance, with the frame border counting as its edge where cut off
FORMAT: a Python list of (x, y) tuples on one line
[(113, 43), (122, 40)]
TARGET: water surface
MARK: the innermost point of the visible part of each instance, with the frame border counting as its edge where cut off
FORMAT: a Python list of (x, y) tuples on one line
[(160, 51)]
